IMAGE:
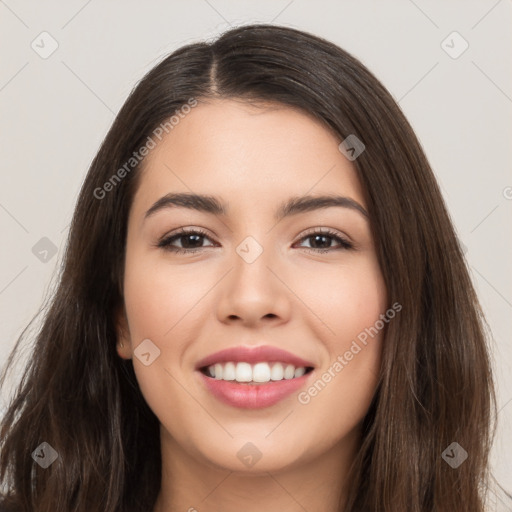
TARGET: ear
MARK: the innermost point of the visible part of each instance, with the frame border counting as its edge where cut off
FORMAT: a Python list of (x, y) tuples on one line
[(124, 344)]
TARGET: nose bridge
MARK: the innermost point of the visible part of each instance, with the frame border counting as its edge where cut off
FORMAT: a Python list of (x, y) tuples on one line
[(251, 262), (252, 290)]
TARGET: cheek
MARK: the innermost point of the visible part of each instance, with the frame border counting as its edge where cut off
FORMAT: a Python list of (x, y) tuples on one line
[(346, 299), (166, 304), (163, 303), (162, 299), (350, 301)]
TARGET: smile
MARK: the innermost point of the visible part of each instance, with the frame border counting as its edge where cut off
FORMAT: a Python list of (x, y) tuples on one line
[(253, 377)]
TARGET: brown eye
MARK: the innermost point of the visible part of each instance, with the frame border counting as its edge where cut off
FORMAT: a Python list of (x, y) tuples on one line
[(191, 241), (321, 241)]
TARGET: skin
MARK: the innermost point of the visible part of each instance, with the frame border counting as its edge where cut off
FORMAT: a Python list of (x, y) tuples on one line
[(309, 303)]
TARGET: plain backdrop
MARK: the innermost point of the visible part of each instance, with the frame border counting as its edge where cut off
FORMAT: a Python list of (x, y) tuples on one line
[(455, 89)]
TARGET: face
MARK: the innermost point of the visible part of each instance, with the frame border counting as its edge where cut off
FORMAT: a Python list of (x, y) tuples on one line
[(282, 290)]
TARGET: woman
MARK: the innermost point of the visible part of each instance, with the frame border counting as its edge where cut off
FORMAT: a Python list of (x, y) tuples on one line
[(268, 369)]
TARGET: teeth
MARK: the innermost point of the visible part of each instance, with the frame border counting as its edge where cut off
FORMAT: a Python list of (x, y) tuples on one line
[(299, 372), (261, 372), (289, 372), (277, 372), (243, 372), (257, 373), (229, 371)]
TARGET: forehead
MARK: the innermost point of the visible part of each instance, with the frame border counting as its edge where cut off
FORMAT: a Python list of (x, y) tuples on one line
[(254, 154)]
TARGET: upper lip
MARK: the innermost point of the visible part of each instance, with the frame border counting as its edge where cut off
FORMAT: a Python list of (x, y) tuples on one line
[(261, 353)]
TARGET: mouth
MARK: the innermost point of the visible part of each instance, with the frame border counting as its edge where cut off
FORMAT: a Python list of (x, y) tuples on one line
[(253, 377)]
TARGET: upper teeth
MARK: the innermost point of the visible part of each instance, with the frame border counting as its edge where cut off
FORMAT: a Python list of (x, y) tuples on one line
[(259, 372)]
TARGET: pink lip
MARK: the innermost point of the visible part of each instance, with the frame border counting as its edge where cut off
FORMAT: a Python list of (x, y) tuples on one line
[(253, 396), (252, 355)]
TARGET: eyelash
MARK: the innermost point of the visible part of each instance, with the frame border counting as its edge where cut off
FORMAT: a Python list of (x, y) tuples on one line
[(165, 243)]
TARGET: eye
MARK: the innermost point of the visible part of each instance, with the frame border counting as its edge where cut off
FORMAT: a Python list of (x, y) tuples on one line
[(323, 238), (192, 239)]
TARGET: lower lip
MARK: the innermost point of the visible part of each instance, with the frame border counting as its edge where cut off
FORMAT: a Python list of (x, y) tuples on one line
[(253, 396)]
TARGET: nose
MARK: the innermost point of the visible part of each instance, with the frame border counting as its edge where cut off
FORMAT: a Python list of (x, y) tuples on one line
[(254, 293)]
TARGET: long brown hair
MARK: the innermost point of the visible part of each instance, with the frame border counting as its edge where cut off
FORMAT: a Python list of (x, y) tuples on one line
[(435, 386)]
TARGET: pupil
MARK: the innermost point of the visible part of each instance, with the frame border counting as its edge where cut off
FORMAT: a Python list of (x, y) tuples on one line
[(316, 237), (188, 237)]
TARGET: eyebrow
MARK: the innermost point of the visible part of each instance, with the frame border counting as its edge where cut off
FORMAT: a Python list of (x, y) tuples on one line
[(293, 206)]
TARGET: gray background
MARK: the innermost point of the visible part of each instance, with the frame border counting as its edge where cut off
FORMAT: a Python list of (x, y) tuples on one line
[(56, 110)]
